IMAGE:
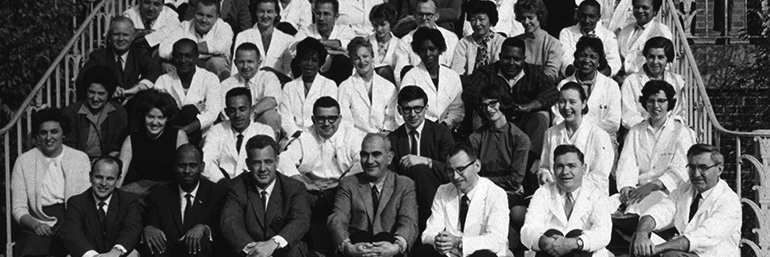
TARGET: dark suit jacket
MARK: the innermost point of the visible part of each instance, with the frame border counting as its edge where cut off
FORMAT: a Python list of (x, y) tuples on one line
[(288, 214), (113, 130), (435, 142), (163, 209), (139, 65), (81, 230), (354, 209), (234, 12)]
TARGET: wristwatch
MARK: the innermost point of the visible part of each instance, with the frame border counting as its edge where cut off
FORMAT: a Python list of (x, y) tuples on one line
[(580, 244)]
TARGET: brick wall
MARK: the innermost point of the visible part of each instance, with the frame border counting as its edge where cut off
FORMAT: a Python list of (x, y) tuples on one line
[(704, 20)]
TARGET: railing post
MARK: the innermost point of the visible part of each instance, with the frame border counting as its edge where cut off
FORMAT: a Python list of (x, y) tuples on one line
[(763, 194)]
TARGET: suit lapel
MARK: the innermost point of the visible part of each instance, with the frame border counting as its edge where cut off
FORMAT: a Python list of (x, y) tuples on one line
[(426, 138), (557, 208), (129, 68), (92, 216), (364, 191), (254, 201), (198, 204), (582, 203), (386, 192), (177, 207), (453, 211), (112, 213), (275, 203)]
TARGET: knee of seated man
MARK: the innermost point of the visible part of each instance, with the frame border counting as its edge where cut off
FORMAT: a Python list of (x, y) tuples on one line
[(483, 253)]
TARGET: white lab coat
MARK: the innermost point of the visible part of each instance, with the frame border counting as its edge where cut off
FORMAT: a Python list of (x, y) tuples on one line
[(405, 56), (263, 84), (332, 158), (296, 108), (297, 13), (219, 39), (219, 149), (631, 52), (204, 93), (604, 108), (634, 112), (390, 54), (486, 224), (589, 214), (715, 230), (278, 55), (355, 14), (569, 38), (445, 103), (375, 116), (167, 22)]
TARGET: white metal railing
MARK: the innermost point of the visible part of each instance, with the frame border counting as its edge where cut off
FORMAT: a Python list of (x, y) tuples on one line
[(55, 89), (701, 116)]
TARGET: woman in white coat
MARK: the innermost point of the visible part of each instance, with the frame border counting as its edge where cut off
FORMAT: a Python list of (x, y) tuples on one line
[(593, 141), (367, 100), (441, 84), (271, 42), (384, 43)]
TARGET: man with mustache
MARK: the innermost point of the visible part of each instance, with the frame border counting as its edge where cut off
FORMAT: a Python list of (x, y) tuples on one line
[(153, 22), (181, 218), (224, 148), (103, 220), (213, 36)]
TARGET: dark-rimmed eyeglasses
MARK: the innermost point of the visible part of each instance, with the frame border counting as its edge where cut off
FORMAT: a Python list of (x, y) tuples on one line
[(459, 170), (330, 118), (493, 104), (416, 109), (701, 167)]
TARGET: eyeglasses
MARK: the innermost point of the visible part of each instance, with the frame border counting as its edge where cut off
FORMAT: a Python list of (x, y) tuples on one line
[(658, 101), (492, 104), (459, 170), (330, 119), (416, 109), (701, 167)]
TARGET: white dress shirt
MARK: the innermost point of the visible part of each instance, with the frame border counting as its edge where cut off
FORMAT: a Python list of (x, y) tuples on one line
[(277, 56), (331, 158), (263, 84), (219, 151), (486, 223), (604, 107), (594, 142), (52, 187), (464, 58), (589, 214), (204, 93), (183, 198), (297, 13), (444, 103), (218, 40), (377, 115), (390, 54), (631, 50), (634, 112), (296, 109), (406, 56), (649, 155), (569, 37), (163, 26), (355, 14), (418, 136), (715, 230)]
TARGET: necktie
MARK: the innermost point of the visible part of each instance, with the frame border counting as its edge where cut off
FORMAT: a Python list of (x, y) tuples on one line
[(263, 198), (694, 206), (413, 139), (635, 35), (248, 84), (102, 214), (238, 143), (120, 63), (569, 203), (148, 24), (375, 198), (463, 211), (188, 207)]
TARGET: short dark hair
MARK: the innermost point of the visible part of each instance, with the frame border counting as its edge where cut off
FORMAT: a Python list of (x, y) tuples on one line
[(595, 44), (384, 12), (156, 99), (208, 3), (311, 45), (260, 142), (326, 102), (493, 91), (698, 149), (335, 4), (50, 114), (656, 4), (463, 147), (482, 6), (514, 42), (536, 7), (660, 42), (582, 92), (565, 149), (592, 3), (277, 8), (423, 34), (101, 75), (653, 87), (248, 46), (410, 93), (109, 160), (239, 91), (186, 41), (357, 43)]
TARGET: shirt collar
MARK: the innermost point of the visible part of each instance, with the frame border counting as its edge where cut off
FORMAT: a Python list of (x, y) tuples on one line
[(106, 201), (235, 132), (380, 184), (85, 111), (575, 193), (268, 189), (514, 79), (419, 128), (665, 123), (194, 192), (471, 193)]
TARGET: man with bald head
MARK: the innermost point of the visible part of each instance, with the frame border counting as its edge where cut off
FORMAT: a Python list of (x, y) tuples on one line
[(134, 67), (153, 21), (195, 90), (181, 218)]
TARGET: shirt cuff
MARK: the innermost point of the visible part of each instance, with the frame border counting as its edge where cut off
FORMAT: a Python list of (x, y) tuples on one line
[(401, 241), (281, 241), (146, 83), (121, 248), (211, 239), (90, 253)]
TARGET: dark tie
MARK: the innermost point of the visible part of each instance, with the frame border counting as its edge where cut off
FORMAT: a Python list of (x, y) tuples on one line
[(238, 143), (569, 203), (694, 206), (263, 198), (375, 198), (120, 64), (187, 208), (102, 214), (463, 211), (413, 139)]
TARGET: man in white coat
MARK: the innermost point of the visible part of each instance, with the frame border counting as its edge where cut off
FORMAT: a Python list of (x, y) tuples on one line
[(224, 149), (589, 17), (632, 37), (705, 212), (470, 214), (153, 21), (565, 218)]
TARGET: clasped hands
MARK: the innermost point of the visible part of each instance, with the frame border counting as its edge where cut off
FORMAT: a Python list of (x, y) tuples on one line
[(156, 239), (412, 160), (557, 245), (261, 249), (444, 242), (375, 249)]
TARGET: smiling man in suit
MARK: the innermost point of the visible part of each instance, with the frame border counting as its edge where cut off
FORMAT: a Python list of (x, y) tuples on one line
[(265, 212), (103, 220), (181, 218), (374, 211), (566, 218), (420, 147)]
